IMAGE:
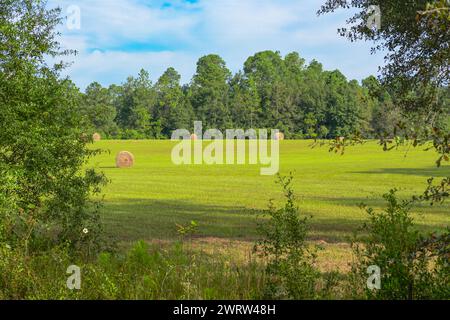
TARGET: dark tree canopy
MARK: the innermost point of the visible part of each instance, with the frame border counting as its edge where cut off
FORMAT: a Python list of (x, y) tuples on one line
[(286, 93), (416, 38)]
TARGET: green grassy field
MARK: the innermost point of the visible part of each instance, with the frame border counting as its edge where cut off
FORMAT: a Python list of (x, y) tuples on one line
[(147, 201)]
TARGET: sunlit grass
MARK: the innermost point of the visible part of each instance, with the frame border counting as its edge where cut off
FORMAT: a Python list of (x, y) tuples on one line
[(147, 201)]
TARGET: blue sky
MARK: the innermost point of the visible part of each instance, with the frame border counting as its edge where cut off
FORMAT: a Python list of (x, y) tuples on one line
[(119, 37)]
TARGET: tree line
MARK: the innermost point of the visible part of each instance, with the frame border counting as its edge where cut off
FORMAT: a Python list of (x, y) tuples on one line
[(302, 100)]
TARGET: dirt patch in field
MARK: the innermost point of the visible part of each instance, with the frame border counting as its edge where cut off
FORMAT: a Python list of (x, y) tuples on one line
[(334, 256), (330, 256)]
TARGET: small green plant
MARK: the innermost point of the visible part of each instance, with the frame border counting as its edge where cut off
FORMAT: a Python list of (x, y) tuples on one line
[(188, 230), (411, 266), (290, 267)]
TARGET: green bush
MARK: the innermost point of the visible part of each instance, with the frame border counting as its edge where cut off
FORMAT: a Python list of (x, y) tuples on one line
[(45, 191), (412, 265), (290, 261)]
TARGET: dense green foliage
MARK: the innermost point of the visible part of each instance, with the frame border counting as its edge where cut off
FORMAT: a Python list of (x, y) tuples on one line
[(290, 262), (44, 193), (412, 265), (272, 91)]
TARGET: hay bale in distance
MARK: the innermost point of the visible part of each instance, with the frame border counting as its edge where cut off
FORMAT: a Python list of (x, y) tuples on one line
[(124, 159), (96, 137), (279, 136), (194, 137)]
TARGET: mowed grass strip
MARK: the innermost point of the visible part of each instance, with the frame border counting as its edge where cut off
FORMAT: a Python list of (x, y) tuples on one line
[(147, 201)]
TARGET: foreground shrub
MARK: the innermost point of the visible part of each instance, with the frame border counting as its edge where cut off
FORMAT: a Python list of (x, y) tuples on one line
[(290, 267), (412, 265), (44, 191)]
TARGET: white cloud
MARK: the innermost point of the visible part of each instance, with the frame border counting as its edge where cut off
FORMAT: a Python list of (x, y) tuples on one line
[(247, 20), (109, 23), (115, 66), (119, 37)]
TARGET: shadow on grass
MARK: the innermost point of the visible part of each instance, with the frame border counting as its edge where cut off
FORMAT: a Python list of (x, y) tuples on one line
[(377, 202), (136, 219), (143, 219), (443, 171)]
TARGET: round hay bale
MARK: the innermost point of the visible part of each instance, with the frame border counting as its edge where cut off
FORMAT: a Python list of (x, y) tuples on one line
[(194, 137), (279, 136), (96, 137), (124, 159)]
